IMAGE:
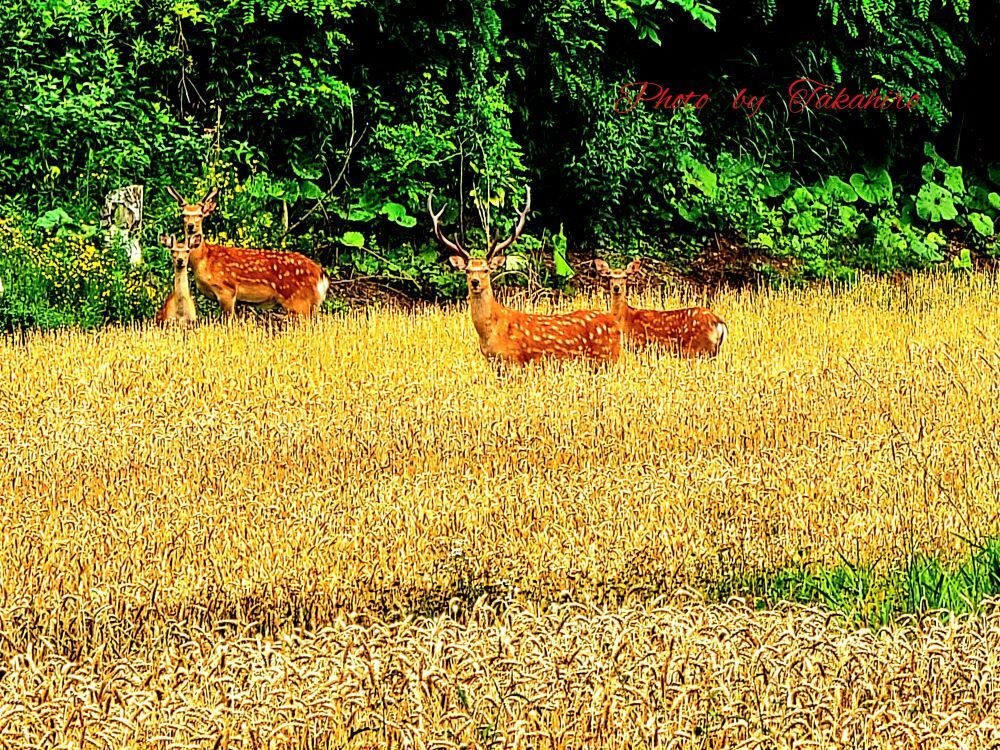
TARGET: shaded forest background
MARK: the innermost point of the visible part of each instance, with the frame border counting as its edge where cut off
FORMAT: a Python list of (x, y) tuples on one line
[(326, 123)]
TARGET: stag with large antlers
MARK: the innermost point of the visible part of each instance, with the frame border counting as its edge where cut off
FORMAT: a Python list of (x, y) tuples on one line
[(691, 332), (258, 277), (518, 337)]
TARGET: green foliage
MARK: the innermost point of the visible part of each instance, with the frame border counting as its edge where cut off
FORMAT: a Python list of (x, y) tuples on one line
[(54, 276), (944, 198), (326, 123), (644, 15), (559, 258)]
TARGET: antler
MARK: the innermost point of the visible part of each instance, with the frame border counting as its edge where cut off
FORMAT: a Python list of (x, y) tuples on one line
[(453, 246), (517, 230), (176, 196)]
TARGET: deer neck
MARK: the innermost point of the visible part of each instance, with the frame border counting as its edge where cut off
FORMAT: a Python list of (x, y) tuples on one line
[(197, 257), (619, 307), (486, 312), (181, 288)]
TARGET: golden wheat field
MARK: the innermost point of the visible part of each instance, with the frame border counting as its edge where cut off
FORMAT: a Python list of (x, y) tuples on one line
[(357, 534)]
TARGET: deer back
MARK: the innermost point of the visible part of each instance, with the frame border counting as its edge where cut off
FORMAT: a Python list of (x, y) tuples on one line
[(525, 337), (256, 275), (692, 331)]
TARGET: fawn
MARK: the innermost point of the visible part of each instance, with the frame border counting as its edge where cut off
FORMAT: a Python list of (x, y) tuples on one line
[(518, 337), (179, 306), (691, 332)]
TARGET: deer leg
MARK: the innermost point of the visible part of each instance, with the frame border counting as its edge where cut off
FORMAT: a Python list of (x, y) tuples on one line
[(227, 301), (298, 305)]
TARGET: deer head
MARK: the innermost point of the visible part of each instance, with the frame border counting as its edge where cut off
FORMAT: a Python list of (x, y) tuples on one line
[(180, 252), (618, 277), (477, 270), (194, 213)]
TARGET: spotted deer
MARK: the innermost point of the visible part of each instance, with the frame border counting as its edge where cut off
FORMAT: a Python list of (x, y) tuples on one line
[(179, 306), (518, 337), (691, 332), (259, 277)]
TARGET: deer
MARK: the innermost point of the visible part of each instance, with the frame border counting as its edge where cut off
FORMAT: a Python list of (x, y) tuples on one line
[(691, 332), (178, 308), (267, 278), (507, 335)]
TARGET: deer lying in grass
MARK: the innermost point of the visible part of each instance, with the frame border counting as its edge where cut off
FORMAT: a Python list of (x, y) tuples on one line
[(518, 337), (259, 277), (691, 332), (179, 306)]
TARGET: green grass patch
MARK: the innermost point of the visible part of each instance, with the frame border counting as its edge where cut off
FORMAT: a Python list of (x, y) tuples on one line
[(874, 596)]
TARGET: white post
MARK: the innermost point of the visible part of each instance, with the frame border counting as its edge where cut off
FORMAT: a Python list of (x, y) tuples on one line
[(122, 216)]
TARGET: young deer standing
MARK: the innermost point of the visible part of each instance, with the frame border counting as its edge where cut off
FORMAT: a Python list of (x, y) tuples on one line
[(513, 336), (691, 332), (259, 277), (179, 306)]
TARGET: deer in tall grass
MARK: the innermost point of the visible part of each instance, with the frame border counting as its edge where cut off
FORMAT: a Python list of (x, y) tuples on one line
[(518, 337), (267, 278), (179, 305), (691, 332)]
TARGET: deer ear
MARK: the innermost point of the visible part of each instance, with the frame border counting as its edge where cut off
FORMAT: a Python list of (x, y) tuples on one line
[(194, 241), (602, 267), (633, 267), (208, 204), (458, 261), (167, 240), (498, 261)]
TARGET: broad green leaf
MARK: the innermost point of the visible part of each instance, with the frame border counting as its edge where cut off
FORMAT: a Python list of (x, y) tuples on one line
[(926, 249), (907, 211), (964, 260), (360, 212), (703, 178), (563, 268), (982, 224), (849, 215), (397, 213), (800, 200), (953, 180), (310, 191), (933, 155), (690, 213), (934, 203), (306, 172), (393, 210), (55, 217), (805, 223), (839, 190), (775, 184), (516, 263), (353, 239), (765, 240), (875, 186)]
